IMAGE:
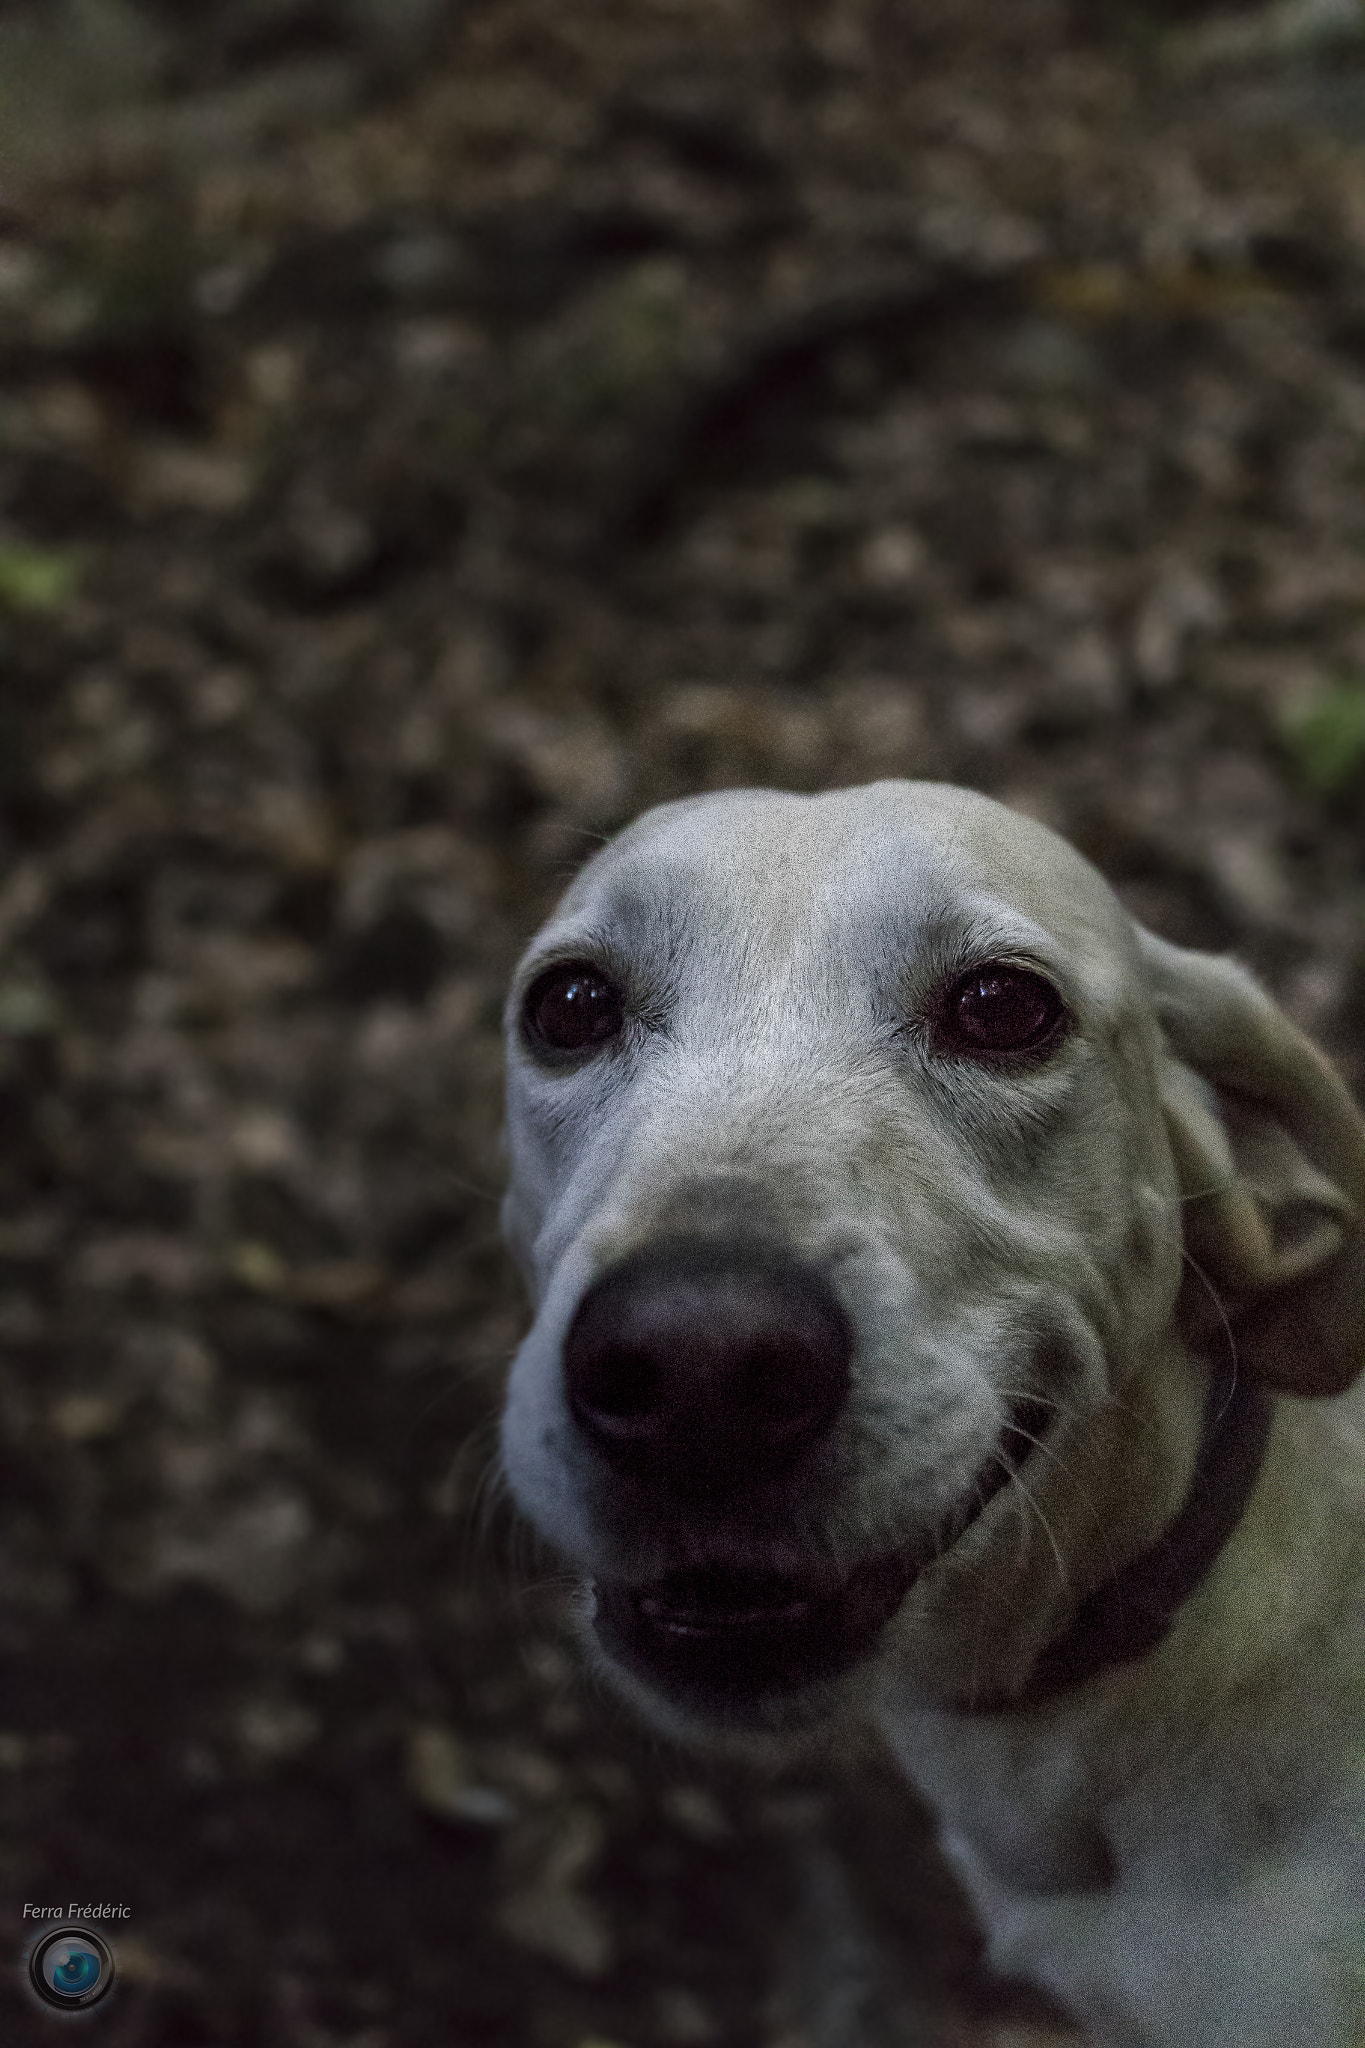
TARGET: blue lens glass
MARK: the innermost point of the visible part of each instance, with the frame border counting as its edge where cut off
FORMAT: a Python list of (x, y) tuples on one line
[(72, 1967)]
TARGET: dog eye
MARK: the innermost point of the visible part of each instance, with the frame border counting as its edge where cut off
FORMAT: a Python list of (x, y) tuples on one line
[(572, 1006), (999, 1008)]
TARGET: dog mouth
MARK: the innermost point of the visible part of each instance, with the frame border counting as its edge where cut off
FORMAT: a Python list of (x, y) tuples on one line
[(727, 1640), (721, 1638)]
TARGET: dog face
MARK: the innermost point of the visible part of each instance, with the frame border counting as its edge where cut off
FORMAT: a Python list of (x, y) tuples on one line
[(847, 1137)]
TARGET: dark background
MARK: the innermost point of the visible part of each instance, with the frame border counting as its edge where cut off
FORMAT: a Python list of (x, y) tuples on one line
[(430, 433)]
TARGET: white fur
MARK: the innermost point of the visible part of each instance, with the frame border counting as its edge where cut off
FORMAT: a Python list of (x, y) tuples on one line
[(1176, 1848)]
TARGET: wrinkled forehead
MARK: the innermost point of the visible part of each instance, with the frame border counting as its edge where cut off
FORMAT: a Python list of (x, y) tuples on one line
[(883, 864)]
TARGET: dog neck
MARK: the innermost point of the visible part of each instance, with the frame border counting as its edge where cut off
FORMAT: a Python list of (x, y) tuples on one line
[(1132, 1611)]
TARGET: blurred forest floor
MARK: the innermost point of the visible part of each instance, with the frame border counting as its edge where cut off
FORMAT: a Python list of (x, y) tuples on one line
[(430, 433)]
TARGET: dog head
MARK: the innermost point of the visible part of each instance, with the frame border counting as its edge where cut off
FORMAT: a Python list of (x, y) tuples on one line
[(872, 1171)]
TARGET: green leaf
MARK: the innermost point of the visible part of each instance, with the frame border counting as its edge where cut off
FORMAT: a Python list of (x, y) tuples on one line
[(1327, 736), (35, 579), (27, 1010)]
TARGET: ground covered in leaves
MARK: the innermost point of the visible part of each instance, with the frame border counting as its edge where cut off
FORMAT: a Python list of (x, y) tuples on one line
[(430, 433)]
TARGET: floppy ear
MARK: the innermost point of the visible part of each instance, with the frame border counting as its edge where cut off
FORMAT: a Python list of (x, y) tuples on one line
[(1270, 1151)]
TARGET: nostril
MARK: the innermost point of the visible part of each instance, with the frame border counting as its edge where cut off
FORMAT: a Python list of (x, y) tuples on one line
[(706, 1366), (617, 1391)]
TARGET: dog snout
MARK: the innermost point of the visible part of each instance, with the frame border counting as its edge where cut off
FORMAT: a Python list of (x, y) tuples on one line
[(707, 1367)]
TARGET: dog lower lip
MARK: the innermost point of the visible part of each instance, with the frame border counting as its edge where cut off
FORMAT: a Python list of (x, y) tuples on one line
[(689, 1622)]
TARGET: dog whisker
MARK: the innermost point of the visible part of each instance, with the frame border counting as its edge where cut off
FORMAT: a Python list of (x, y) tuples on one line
[(1017, 1485)]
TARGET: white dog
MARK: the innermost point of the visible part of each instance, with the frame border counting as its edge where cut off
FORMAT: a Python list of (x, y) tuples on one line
[(947, 1294)]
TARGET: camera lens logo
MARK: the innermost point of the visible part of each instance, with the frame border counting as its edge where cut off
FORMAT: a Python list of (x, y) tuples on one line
[(71, 1969)]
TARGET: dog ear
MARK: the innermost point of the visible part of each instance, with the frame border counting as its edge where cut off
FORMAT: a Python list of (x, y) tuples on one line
[(1270, 1151)]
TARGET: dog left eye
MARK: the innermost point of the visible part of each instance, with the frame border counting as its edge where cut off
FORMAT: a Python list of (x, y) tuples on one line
[(572, 1007), (999, 1008)]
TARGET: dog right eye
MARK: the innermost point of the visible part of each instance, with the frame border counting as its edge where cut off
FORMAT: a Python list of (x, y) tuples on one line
[(571, 1007)]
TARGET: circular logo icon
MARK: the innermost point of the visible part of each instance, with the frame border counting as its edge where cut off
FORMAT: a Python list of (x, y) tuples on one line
[(71, 1968)]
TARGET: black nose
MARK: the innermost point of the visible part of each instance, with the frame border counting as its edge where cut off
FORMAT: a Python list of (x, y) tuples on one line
[(707, 1366)]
